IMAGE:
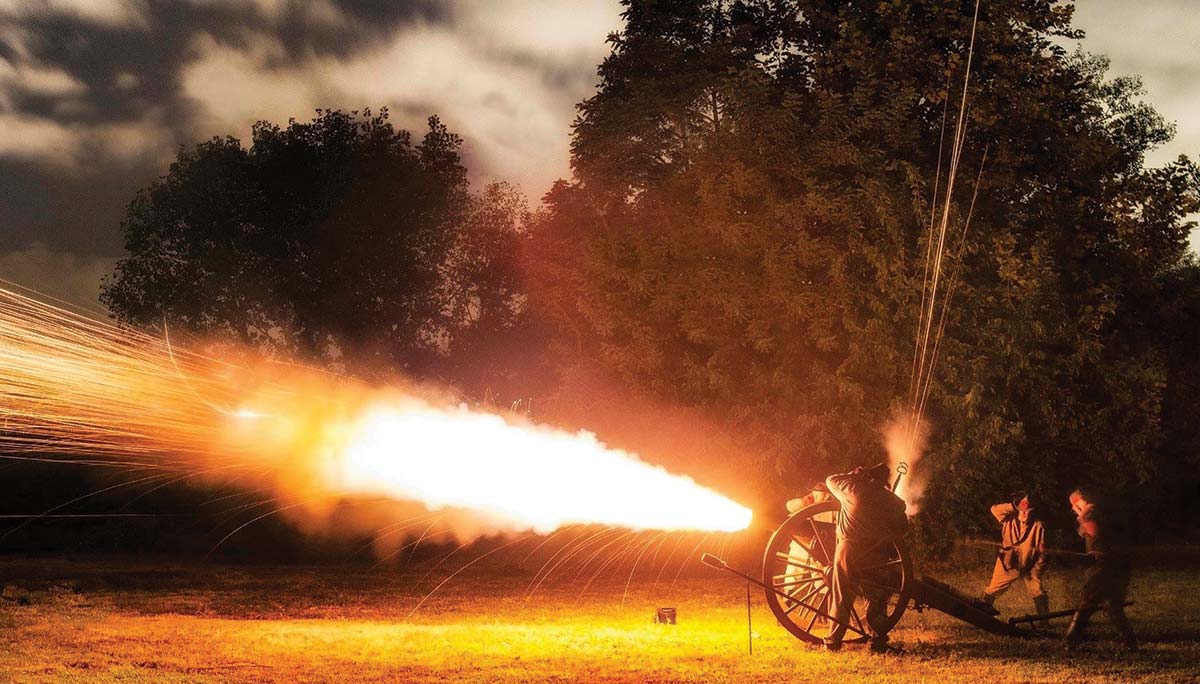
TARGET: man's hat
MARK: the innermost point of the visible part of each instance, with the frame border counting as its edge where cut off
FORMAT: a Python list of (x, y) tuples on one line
[(879, 472)]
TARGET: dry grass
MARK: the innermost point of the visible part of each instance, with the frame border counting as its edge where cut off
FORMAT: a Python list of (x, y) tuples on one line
[(162, 623)]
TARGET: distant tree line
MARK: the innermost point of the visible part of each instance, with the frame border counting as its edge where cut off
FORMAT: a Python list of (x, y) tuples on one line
[(744, 233), (341, 241)]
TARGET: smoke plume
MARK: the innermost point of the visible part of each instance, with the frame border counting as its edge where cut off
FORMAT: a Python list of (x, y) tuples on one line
[(906, 443)]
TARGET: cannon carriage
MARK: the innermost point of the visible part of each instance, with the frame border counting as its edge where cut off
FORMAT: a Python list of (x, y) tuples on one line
[(797, 577)]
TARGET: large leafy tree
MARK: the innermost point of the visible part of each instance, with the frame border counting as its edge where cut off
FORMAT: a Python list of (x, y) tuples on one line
[(340, 240), (747, 227)]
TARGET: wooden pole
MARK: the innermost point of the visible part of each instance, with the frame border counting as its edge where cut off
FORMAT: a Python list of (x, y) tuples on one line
[(749, 624)]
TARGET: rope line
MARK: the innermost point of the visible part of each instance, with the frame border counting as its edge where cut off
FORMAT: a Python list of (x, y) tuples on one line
[(931, 319)]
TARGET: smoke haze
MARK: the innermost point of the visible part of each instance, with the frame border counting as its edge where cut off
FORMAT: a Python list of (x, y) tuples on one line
[(907, 444)]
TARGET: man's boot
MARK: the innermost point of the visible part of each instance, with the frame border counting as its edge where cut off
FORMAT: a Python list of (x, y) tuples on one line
[(1041, 606), (833, 642), (1076, 630), (1128, 641), (880, 644), (987, 603)]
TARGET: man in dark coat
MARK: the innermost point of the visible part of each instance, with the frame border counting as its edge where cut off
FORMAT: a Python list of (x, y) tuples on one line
[(1107, 580), (870, 515)]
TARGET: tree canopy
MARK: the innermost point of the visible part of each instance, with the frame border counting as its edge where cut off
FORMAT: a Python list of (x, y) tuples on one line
[(747, 224), (340, 241), (745, 234)]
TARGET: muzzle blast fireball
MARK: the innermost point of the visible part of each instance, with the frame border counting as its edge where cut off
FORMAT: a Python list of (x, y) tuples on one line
[(88, 389)]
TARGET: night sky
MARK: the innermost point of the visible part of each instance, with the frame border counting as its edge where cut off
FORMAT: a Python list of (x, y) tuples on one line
[(97, 95)]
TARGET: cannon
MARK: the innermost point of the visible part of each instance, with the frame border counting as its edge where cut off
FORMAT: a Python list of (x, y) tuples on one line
[(797, 575)]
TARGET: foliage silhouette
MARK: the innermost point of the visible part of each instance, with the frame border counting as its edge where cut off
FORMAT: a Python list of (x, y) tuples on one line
[(340, 241), (746, 231)]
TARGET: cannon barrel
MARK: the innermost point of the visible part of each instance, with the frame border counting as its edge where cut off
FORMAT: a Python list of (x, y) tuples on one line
[(1039, 617), (946, 599)]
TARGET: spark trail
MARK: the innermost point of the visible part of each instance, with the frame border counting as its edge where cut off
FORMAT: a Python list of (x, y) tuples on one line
[(87, 389)]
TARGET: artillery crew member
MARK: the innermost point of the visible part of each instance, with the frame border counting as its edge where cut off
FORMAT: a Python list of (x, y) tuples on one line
[(1022, 553), (870, 513), (1107, 581)]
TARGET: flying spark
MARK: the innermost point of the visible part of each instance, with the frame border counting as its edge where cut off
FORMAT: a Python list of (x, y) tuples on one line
[(73, 385)]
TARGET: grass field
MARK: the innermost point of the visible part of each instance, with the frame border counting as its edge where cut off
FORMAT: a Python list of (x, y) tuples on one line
[(126, 621)]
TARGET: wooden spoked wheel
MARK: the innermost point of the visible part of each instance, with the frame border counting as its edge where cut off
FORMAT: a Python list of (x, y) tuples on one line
[(798, 574)]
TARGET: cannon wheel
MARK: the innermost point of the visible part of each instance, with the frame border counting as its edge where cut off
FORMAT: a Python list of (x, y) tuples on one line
[(798, 563)]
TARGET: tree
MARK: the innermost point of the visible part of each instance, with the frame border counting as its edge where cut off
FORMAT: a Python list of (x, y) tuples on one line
[(1178, 322), (747, 225), (339, 241)]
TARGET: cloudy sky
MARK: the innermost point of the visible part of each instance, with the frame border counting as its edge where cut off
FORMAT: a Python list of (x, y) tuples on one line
[(97, 95)]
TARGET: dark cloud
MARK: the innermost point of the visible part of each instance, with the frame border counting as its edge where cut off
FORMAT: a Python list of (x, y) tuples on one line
[(125, 71), (362, 27), (133, 67), (97, 95), (75, 210)]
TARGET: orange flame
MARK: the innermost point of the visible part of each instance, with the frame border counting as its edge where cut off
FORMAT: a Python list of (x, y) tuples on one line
[(522, 476), (76, 385)]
